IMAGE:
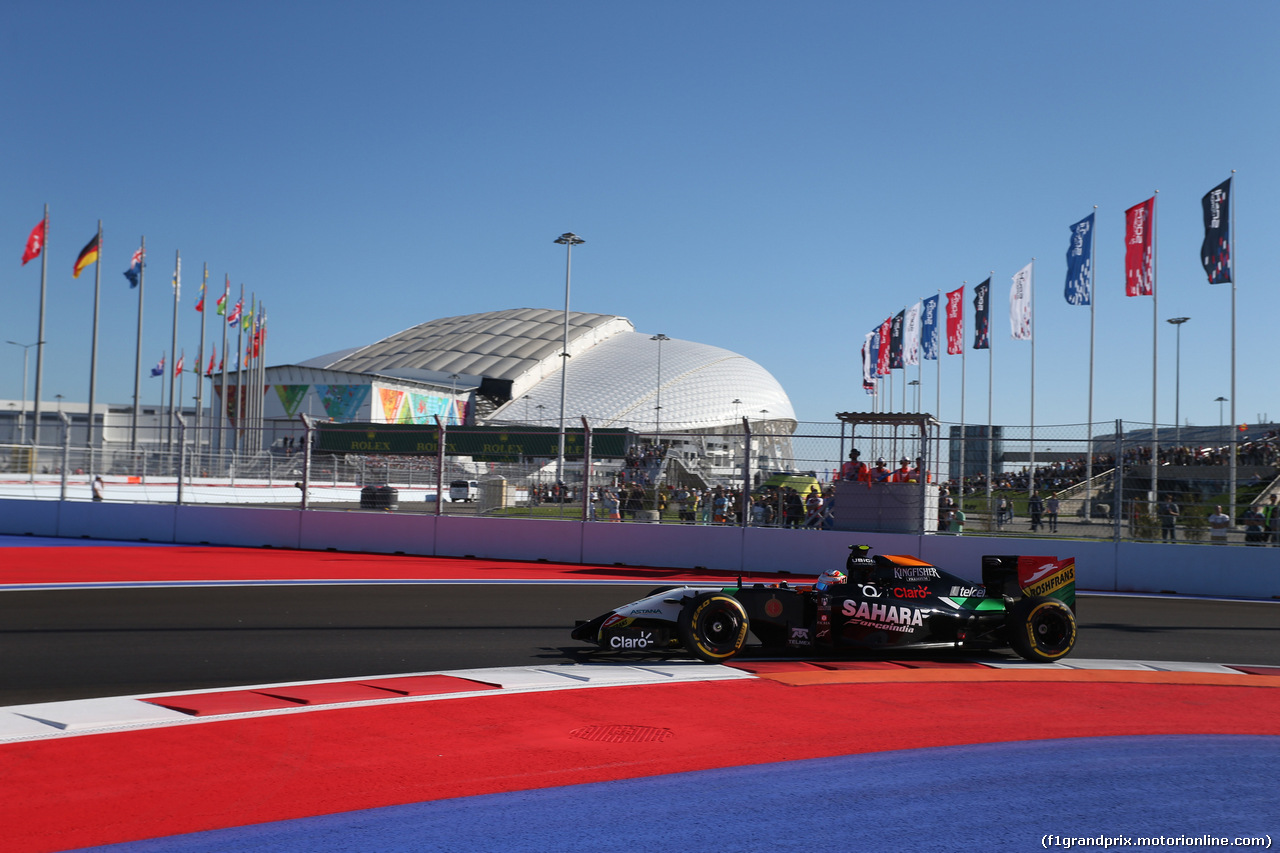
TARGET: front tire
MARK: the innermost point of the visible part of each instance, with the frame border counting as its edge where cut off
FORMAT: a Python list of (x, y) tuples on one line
[(1041, 629), (713, 627)]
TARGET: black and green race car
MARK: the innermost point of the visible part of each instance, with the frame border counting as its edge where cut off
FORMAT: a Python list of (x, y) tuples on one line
[(880, 602)]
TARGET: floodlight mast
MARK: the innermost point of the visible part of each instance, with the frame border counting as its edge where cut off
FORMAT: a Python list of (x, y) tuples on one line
[(568, 240)]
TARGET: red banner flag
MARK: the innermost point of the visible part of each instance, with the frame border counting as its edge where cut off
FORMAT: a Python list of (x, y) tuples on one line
[(882, 357), (955, 321), (1140, 249), (35, 243), (213, 356)]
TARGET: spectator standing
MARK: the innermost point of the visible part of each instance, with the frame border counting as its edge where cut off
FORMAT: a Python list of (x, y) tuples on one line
[(1168, 512), (1255, 527), (1219, 523), (813, 509), (1035, 509), (97, 488), (1051, 512)]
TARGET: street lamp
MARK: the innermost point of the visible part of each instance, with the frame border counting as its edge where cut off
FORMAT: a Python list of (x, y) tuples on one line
[(1177, 382), (22, 418), (1220, 401), (568, 240), (915, 383), (657, 409)]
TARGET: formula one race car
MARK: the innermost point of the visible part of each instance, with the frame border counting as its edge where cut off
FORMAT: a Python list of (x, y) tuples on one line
[(880, 602)]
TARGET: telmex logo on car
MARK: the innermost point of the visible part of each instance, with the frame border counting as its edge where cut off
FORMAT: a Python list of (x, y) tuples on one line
[(886, 616)]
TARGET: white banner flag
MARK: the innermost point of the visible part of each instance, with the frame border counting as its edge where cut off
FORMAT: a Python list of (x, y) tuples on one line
[(1020, 304), (911, 336)]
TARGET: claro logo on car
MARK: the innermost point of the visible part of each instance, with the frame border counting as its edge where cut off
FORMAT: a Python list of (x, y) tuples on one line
[(886, 616), (641, 640)]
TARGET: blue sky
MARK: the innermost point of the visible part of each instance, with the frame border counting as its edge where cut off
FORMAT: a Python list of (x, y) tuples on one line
[(771, 178)]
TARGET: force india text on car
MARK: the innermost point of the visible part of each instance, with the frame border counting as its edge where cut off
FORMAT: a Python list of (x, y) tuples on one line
[(880, 602)]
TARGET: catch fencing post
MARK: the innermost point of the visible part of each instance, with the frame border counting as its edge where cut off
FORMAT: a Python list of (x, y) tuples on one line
[(586, 471), (66, 451), (440, 465), (182, 452), (1117, 482), (308, 428)]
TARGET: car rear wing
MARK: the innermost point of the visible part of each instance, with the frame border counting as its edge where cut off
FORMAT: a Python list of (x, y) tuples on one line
[(1017, 576)]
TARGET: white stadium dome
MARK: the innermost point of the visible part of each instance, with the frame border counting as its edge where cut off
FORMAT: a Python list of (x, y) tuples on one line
[(511, 360)]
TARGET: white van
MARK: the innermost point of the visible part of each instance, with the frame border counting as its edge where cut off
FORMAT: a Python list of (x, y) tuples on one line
[(464, 490)]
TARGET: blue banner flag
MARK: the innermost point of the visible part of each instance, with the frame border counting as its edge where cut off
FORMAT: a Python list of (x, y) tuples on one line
[(1080, 263), (929, 328), (1215, 251)]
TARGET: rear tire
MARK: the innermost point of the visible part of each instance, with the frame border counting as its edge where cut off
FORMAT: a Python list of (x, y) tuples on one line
[(713, 627), (1041, 629)]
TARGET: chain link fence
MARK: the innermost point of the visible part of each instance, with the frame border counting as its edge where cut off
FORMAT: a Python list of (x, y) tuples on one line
[(1076, 481)]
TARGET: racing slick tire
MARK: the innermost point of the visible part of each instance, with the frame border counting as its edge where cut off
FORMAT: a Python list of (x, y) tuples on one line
[(1041, 629), (713, 627)]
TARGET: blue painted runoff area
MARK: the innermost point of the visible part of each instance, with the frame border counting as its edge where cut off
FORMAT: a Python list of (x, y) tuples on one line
[(1007, 796)]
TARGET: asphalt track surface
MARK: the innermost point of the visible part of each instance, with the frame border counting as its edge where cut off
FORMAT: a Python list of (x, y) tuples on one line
[(752, 765), (80, 643)]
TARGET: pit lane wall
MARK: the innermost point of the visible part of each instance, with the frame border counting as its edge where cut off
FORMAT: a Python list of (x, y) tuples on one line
[(1186, 569)]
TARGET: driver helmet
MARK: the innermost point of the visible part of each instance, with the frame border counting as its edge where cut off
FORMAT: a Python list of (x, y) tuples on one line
[(830, 578)]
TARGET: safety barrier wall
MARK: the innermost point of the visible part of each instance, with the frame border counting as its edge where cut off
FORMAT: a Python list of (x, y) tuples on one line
[(1187, 569)]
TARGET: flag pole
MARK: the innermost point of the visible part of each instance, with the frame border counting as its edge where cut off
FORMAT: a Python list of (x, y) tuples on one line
[(1231, 236), (1032, 296), (1155, 361), (137, 358), (179, 368), (199, 371), (177, 288), (93, 352), (1093, 299), (991, 385), (238, 431), (963, 354), (939, 332), (223, 409), (40, 340)]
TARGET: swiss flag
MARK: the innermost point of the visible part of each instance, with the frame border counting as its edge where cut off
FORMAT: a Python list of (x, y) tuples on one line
[(35, 243)]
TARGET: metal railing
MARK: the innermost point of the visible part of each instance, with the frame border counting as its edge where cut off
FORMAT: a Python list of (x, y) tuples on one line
[(1075, 481)]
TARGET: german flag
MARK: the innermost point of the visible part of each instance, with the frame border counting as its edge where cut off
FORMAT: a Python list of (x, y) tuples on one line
[(88, 255)]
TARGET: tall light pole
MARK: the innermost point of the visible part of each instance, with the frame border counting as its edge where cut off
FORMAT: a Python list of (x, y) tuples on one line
[(1220, 401), (22, 417), (1177, 382), (915, 387), (568, 240), (657, 409)]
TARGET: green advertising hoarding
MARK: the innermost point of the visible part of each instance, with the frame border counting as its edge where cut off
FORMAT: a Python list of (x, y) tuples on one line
[(484, 444)]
